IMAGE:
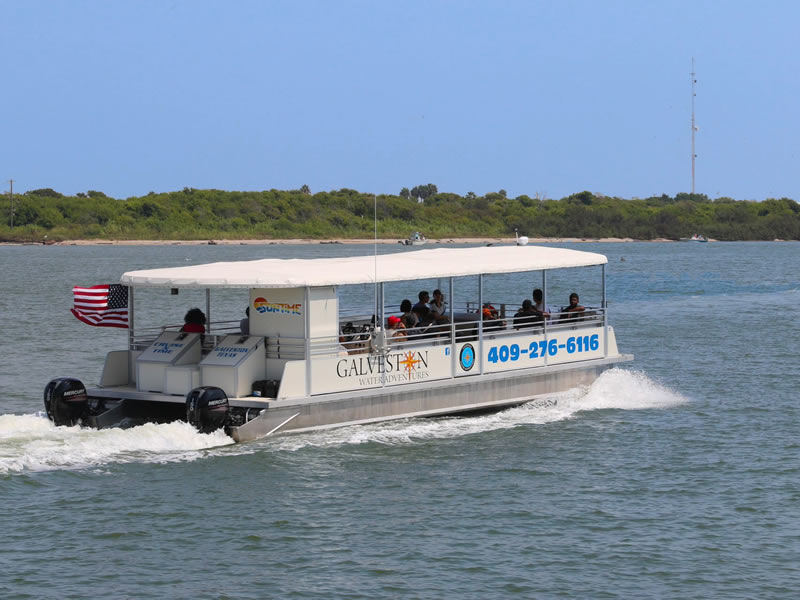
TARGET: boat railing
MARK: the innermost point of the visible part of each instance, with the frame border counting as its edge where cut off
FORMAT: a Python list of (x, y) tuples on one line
[(357, 336), (143, 337), (364, 340), (558, 321), (286, 347)]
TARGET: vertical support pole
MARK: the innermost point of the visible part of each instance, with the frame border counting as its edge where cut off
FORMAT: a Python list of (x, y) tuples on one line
[(480, 322), (381, 306), (208, 310), (452, 328), (605, 314), (307, 337), (544, 302), (544, 289), (381, 325), (131, 338)]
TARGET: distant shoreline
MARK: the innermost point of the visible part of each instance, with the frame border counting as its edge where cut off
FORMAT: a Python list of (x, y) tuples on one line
[(212, 242)]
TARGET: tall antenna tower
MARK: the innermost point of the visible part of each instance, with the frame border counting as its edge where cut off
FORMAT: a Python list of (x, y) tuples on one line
[(11, 199), (694, 127)]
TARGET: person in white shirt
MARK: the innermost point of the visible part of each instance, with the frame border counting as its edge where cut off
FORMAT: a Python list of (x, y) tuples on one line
[(437, 304)]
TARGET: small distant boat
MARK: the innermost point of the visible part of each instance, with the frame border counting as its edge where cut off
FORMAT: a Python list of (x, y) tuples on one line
[(695, 238), (416, 239)]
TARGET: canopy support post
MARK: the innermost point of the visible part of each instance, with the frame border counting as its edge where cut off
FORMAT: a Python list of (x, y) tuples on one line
[(605, 313), (379, 331), (452, 329), (480, 323), (208, 309), (307, 326), (131, 338)]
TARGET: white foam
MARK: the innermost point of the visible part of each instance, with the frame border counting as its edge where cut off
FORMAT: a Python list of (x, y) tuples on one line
[(615, 389), (32, 443)]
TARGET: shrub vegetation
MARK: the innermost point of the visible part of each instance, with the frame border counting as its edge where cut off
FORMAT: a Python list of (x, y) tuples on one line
[(276, 214)]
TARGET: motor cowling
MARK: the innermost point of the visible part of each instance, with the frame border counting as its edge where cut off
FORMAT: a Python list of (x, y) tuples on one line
[(207, 408), (66, 401)]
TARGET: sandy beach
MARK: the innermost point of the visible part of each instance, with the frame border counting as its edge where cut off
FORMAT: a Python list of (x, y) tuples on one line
[(431, 242)]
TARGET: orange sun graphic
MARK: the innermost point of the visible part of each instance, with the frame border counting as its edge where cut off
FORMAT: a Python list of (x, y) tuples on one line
[(410, 362)]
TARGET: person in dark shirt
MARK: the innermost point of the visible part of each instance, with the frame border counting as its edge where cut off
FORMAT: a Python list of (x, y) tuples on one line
[(409, 316), (194, 321), (424, 298), (527, 316), (574, 309), (244, 324)]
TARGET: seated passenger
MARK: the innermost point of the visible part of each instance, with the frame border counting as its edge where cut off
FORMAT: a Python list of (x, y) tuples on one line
[(492, 317), (408, 315), (539, 306), (341, 347), (244, 324), (437, 304), (194, 321), (424, 316), (527, 316), (428, 323), (349, 339), (424, 297), (396, 330), (573, 309), (409, 320)]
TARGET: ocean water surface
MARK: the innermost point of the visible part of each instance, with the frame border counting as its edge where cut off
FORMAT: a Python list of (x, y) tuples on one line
[(676, 476)]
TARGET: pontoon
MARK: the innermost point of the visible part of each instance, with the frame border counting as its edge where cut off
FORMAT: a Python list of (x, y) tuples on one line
[(307, 362)]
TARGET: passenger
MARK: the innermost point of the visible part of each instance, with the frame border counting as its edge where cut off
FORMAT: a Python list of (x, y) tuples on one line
[(437, 304), (341, 348), (574, 308), (194, 321), (428, 323), (348, 338), (424, 316), (527, 316), (490, 314), (244, 324), (424, 297), (539, 306), (396, 329), (408, 315), (411, 325)]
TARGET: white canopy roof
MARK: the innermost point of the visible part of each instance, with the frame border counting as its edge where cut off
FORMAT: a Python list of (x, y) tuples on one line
[(399, 266)]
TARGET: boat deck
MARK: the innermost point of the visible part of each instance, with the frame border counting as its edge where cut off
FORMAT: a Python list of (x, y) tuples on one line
[(124, 392)]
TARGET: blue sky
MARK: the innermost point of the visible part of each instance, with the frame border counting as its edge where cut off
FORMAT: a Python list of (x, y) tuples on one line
[(547, 98)]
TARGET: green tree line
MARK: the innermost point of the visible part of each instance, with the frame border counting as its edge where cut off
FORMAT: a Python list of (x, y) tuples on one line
[(281, 214)]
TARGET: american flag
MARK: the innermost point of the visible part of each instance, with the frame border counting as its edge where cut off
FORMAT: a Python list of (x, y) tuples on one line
[(101, 305)]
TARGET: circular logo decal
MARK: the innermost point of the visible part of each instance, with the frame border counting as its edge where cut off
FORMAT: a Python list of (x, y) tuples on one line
[(260, 304), (467, 357)]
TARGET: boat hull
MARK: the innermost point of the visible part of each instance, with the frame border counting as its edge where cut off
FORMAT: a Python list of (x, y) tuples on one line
[(430, 399)]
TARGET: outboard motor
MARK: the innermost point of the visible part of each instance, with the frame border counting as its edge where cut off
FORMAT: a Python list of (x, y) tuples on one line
[(207, 408), (65, 401)]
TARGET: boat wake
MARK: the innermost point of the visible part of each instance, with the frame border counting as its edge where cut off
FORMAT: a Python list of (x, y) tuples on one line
[(31, 443), (617, 389)]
